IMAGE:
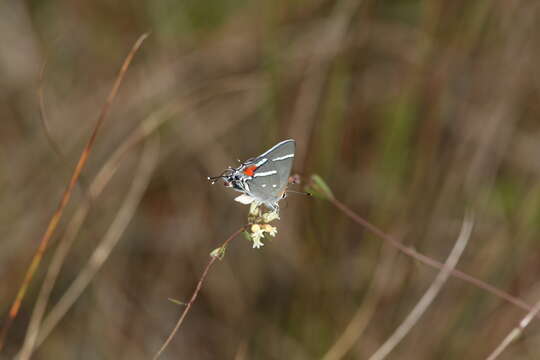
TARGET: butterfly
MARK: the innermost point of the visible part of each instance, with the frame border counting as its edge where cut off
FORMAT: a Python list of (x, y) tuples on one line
[(264, 178)]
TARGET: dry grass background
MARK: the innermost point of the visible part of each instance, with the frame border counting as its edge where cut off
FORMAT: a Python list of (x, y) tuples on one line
[(411, 110)]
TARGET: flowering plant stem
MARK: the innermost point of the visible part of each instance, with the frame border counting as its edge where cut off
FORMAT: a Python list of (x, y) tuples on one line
[(215, 255)]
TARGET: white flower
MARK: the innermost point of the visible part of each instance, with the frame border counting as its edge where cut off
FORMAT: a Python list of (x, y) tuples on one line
[(257, 233), (270, 216), (254, 208), (257, 243), (271, 230)]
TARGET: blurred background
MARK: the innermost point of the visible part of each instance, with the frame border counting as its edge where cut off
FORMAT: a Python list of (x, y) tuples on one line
[(411, 110)]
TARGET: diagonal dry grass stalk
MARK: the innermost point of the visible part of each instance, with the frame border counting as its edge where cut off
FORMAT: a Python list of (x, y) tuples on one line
[(213, 258), (110, 239), (55, 219), (96, 187), (515, 333), (363, 315), (43, 112), (426, 260), (429, 296), (147, 127)]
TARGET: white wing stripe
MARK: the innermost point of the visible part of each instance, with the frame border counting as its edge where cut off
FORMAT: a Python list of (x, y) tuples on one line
[(276, 146), (283, 157), (266, 173), (263, 160), (244, 199)]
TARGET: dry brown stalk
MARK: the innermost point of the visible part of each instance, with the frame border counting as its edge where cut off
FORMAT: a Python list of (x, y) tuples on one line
[(55, 219), (426, 260), (43, 113), (101, 253), (431, 293), (515, 333)]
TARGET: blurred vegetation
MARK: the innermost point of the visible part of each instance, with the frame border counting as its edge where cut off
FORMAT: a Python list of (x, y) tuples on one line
[(410, 110)]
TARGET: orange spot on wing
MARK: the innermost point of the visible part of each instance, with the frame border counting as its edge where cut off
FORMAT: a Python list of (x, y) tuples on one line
[(250, 170)]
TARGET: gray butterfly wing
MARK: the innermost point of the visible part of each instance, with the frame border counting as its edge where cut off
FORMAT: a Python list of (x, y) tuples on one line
[(272, 174)]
